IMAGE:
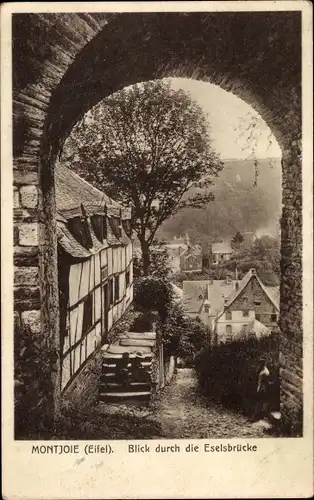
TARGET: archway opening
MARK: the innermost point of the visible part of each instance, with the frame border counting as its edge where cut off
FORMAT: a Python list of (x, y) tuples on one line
[(250, 54), (247, 191)]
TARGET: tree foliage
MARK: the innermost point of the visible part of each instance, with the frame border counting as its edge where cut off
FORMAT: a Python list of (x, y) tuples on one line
[(158, 264), (34, 364), (146, 146), (183, 336), (237, 240), (264, 256), (153, 294)]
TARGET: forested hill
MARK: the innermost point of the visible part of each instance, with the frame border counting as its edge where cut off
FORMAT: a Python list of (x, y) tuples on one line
[(239, 205)]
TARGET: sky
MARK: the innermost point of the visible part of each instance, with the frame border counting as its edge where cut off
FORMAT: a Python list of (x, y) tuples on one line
[(229, 118)]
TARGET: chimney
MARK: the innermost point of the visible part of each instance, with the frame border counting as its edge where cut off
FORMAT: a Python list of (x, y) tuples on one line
[(237, 285), (253, 271)]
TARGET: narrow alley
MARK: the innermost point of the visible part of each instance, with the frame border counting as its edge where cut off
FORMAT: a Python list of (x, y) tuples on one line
[(183, 413)]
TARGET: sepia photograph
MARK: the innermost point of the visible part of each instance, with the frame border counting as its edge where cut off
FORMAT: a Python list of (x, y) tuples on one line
[(157, 231)]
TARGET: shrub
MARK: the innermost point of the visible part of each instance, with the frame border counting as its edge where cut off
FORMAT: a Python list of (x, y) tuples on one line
[(34, 366), (228, 372), (183, 336), (153, 294), (124, 324)]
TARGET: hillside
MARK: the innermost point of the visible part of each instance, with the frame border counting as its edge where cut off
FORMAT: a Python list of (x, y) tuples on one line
[(239, 205)]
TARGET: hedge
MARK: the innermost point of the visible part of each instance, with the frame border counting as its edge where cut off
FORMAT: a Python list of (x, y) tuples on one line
[(228, 372)]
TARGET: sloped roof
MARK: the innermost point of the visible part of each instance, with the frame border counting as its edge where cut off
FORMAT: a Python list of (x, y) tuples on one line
[(257, 328), (72, 190), (274, 292), (178, 292), (244, 282), (70, 244), (195, 292), (223, 247), (193, 250)]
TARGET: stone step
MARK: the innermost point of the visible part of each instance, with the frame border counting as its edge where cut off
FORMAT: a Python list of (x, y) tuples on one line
[(111, 364), (114, 378), (117, 351), (108, 376), (139, 343), (116, 387), (132, 384), (138, 336), (124, 396)]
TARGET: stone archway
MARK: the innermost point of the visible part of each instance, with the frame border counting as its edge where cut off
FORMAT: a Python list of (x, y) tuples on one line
[(65, 63)]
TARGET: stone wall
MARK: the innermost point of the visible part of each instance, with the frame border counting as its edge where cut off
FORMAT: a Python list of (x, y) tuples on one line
[(83, 391), (291, 296), (63, 64)]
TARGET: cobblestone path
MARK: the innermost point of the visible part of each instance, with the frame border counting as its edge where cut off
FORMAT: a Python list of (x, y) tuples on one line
[(183, 413)]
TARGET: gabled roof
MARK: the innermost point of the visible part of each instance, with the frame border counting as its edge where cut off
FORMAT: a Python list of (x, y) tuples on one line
[(195, 292), (223, 247), (194, 251), (244, 282)]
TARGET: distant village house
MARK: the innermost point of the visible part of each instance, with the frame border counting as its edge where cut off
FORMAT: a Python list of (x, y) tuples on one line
[(220, 252), (231, 308), (94, 266), (183, 256)]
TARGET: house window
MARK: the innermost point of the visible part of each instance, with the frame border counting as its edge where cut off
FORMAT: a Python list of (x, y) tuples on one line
[(98, 226), (257, 317), (114, 223), (273, 318), (116, 289), (257, 302), (104, 273), (245, 313), (228, 315), (206, 309), (87, 314), (229, 329), (78, 227), (127, 278), (111, 292)]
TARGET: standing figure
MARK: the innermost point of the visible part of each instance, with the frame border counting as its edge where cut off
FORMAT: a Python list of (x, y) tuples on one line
[(264, 383)]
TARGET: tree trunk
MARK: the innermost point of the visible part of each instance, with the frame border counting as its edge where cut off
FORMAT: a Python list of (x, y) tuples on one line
[(146, 259)]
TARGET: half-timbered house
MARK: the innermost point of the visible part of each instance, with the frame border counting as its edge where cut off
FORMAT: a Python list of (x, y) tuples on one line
[(231, 308), (94, 266)]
